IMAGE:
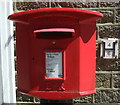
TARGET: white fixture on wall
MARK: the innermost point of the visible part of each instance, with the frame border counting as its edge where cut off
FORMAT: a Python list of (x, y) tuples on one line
[(109, 48), (7, 71)]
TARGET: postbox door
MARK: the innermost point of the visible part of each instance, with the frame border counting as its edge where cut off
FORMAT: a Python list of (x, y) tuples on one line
[(52, 57)]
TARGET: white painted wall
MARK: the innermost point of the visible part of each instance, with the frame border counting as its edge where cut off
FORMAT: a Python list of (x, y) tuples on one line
[(7, 71)]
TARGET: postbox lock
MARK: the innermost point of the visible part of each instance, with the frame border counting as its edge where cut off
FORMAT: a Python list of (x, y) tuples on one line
[(33, 58)]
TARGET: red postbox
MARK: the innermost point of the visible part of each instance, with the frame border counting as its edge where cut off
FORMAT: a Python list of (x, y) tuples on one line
[(56, 52)]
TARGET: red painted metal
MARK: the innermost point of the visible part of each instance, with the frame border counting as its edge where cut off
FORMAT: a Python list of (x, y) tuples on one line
[(78, 47), (56, 30)]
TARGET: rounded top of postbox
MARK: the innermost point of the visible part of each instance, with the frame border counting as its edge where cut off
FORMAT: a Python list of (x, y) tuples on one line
[(83, 15)]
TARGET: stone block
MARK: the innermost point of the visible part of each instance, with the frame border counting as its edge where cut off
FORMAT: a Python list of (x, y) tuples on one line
[(109, 31), (30, 5), (116, 80), (63, 4), (108, 16), (103, 80), (24, 98), (107, 96), (76, 4), (87, 4), (108, 64), (86, 99), (117, 16), (110, 4)]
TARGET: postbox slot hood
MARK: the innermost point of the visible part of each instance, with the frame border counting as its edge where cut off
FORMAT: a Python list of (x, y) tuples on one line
[(54, 33), (82, 15)]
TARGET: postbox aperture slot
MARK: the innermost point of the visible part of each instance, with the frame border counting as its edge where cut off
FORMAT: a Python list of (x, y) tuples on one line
[(54, 33)]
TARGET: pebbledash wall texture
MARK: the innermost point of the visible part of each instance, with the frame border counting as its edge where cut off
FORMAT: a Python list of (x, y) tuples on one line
[(107, 70)]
